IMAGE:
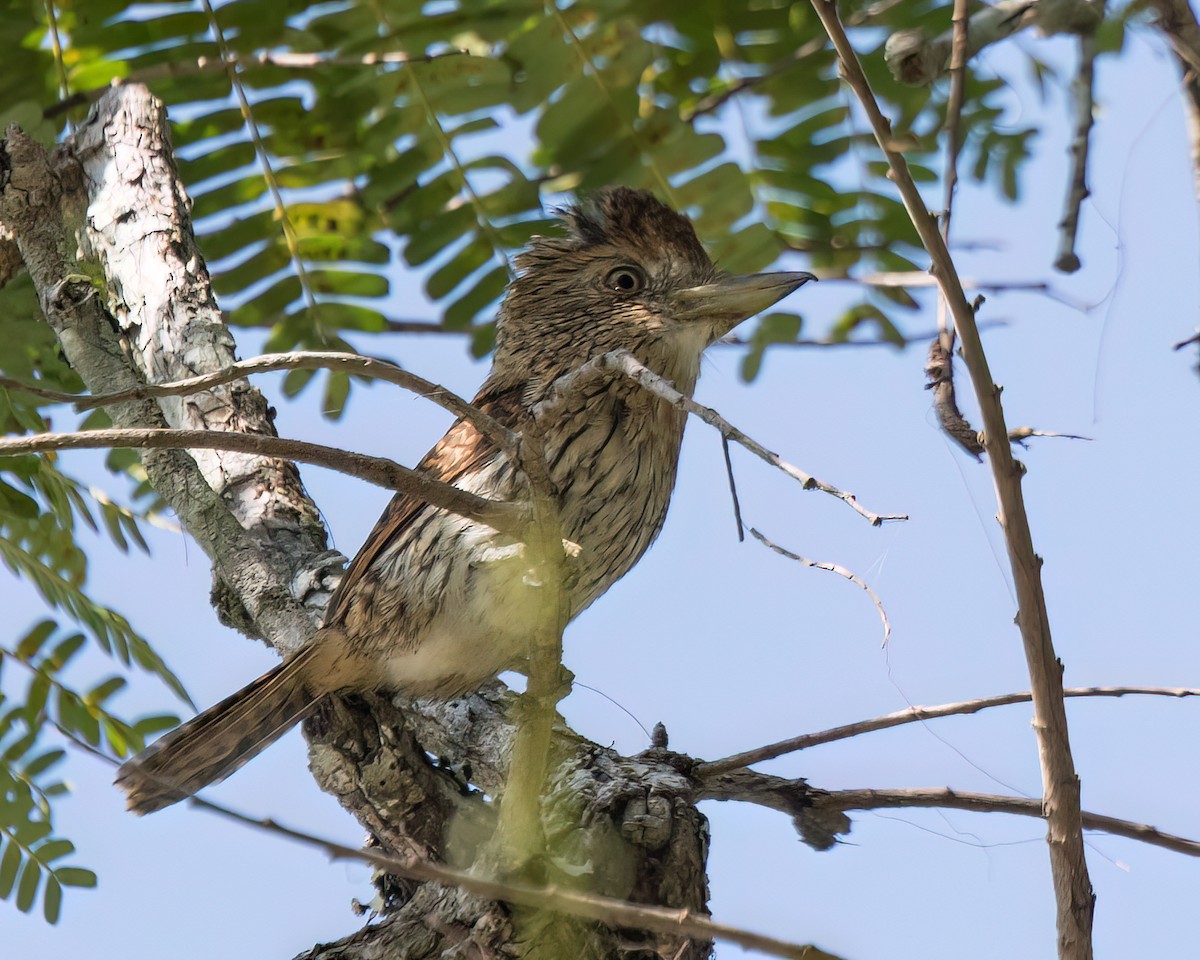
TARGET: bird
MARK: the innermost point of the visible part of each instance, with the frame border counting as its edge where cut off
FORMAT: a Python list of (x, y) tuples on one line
[(435, 604)]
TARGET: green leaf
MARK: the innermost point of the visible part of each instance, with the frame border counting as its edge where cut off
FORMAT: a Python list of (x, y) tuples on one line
[(42, 763), (32, 642), (10, 861), (27, 886), (52, 900), (75, 877)]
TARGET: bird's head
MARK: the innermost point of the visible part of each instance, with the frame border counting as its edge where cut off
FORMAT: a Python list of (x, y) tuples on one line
[(629, 273)]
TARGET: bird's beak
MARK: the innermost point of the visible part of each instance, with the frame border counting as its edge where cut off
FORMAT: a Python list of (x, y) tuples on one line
[(727, 302)]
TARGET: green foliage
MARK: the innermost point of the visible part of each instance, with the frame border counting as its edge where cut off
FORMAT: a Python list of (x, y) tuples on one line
[(29, 848), (49, 695), (30, 853), (362, 147)]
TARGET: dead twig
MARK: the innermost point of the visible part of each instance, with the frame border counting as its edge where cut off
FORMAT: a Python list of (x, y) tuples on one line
[(1083, 105), (607, 910), (1060, 783), (737, 506), (939, 372), (832, 568), (869, 799), (916, 714), (506, 517), (625, 363)]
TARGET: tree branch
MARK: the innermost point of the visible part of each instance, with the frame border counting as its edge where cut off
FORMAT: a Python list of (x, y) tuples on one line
[(380, 471), (354, 364), (993, 803), (606, 910), (1060, 784), (831, 568), (279, 59), (1083, 106), (915, 714), (626, 364)]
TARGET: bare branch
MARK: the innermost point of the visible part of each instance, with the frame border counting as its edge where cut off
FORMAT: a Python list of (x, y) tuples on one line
[(939, 371), (626, 364), (1019, 435), (1060, 783), (993, 803), (958, 71), (913, 715), (1083, 105), (606, 910), (832, 568), (819, 815), (915, 60), (351, 363), (507, 517)]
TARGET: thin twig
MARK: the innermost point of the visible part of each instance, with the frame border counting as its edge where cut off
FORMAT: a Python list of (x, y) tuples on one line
[(714, 101), (482, 220), (831, 568), (506, 517), (737, 506), (290, 238), (953, 128), (626, 364), (64, 85), (1060, 783), (1019, 435), (607, 910), (869, 799), (736, 341), (1083, 104), (354, 364), (1195, 338), (913, 715), (954, 105)]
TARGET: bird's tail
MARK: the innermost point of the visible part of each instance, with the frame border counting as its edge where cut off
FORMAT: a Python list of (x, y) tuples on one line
[(215, 743)]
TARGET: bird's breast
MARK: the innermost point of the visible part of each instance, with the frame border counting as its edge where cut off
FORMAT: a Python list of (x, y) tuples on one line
[(612, 456)]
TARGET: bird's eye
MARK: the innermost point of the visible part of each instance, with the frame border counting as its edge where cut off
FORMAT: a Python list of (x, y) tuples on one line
[(626, 280)]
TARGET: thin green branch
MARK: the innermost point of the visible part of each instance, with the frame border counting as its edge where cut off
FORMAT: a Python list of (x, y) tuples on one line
[(64, 87), (264, 160), (444, 141)]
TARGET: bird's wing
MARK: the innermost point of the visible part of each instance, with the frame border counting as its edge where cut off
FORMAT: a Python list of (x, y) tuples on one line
[(460, 451)]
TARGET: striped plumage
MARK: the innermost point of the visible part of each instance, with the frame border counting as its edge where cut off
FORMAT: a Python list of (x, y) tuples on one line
[(435, 603)]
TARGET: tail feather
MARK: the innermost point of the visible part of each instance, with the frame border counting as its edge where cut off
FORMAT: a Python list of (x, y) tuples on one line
[(213, 744)]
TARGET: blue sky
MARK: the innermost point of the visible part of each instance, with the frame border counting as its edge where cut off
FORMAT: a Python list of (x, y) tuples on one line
[(732, 646)]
